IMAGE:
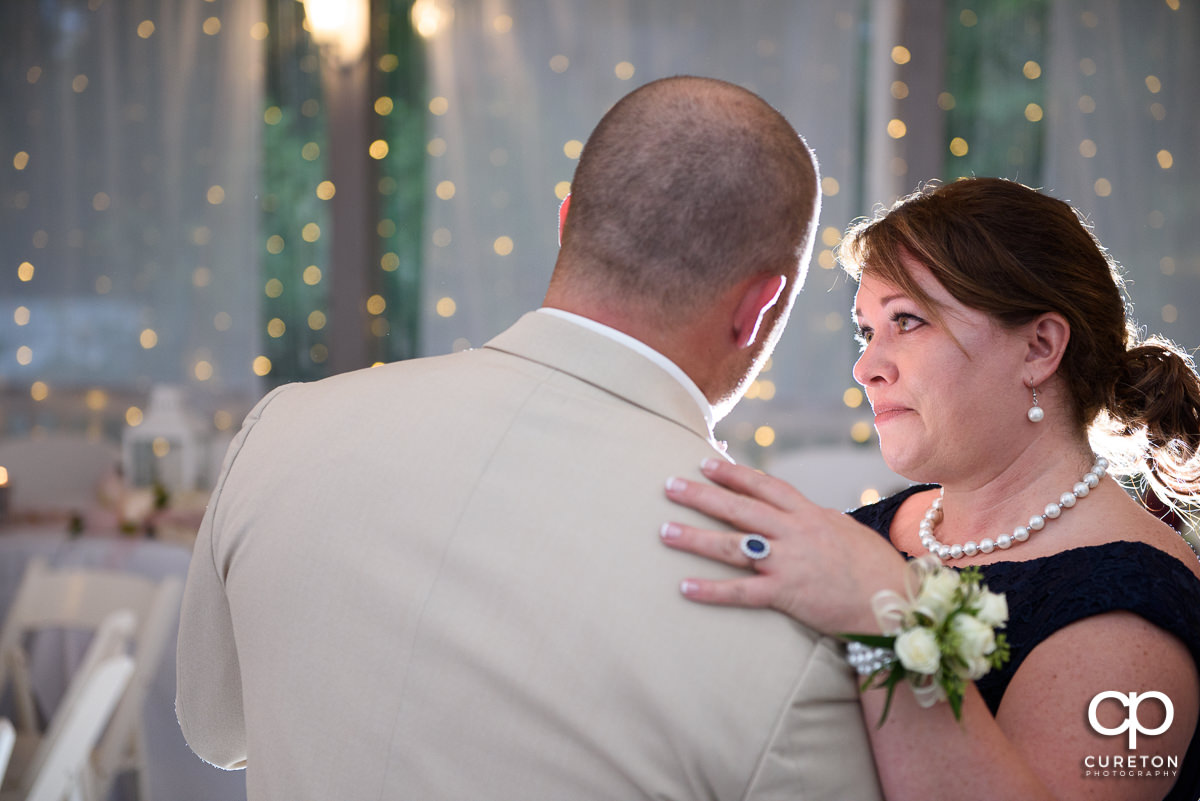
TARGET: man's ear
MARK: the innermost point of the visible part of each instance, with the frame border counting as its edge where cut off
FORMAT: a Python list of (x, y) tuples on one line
[(563, 208), (1046, 343), (759, 296)]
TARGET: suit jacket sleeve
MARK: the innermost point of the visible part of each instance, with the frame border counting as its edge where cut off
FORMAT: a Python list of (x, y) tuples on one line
[(208, 694)]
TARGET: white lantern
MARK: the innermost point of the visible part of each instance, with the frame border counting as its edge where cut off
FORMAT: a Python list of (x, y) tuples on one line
[(167, 448)]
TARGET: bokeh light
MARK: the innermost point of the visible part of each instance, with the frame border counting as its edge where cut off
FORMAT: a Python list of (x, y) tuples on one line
[(861, 431)]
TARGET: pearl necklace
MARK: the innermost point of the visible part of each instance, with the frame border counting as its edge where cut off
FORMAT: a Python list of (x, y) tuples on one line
[(1090, 481)]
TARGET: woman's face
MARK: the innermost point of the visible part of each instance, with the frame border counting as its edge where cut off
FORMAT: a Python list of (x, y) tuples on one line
[(948, 396)]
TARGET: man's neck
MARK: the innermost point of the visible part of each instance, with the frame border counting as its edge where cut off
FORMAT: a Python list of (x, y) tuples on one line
[(646, 350), (683, 346)]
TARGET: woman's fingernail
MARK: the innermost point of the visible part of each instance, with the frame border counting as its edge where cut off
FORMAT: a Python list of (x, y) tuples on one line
[(675, 484), (670, 531), (688, 587), (709, 465)]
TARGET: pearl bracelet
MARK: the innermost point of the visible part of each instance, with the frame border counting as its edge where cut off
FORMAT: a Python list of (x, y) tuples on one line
[(866, 660)]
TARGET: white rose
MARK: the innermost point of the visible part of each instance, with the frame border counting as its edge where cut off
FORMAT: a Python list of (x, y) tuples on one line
[(977, 667), (976, 639), (917, 650), (992, 608), (936, 598)]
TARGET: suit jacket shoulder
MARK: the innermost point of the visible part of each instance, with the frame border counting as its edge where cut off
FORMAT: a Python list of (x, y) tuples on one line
[(442, 578)]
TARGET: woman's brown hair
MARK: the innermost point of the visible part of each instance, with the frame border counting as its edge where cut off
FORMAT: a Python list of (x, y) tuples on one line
[(1015, 253)]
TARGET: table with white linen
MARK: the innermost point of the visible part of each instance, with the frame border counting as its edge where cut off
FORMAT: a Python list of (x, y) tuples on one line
[(175, 773)]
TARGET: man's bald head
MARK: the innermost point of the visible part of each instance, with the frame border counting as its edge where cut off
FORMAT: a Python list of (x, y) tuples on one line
[(687, 186)]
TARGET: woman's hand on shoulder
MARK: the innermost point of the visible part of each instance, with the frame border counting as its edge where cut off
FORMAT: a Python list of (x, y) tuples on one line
[(822, 568)]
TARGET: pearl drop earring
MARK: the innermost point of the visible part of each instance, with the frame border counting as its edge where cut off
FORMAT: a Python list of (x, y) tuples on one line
[(1035, 413)]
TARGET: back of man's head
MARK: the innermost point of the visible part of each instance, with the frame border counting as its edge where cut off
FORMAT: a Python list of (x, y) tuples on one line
[(687, 186)]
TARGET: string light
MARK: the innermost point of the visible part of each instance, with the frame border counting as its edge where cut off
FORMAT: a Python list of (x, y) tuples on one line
[(764, 436)]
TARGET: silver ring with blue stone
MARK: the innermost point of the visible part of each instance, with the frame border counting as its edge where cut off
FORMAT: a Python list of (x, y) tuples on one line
[(755, 546)]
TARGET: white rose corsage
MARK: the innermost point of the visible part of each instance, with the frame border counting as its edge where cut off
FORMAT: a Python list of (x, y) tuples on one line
[(937, 639)]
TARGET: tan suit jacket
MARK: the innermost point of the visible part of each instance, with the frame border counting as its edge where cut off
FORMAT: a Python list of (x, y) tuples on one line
[(442, 579)]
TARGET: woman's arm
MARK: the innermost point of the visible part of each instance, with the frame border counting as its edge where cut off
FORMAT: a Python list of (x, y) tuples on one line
[(823, 569), (1041, 744)]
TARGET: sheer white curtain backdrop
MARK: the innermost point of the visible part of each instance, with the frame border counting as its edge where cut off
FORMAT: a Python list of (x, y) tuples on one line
[(130, 188)]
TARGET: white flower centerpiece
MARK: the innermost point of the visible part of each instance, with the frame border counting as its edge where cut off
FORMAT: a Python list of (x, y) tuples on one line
[(939, 637)]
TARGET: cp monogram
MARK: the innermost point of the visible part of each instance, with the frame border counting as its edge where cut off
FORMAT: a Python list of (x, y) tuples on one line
[(1132, 724)]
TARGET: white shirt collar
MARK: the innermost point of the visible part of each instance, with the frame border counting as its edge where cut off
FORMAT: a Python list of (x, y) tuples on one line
[(650, 353)]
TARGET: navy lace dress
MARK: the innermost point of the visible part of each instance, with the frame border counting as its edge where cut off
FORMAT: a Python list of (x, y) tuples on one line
[(1047, 594)]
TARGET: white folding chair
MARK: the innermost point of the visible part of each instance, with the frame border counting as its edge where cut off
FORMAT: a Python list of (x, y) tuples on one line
[(8, 736), (80, 599), (65, 766), (60, 765)]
